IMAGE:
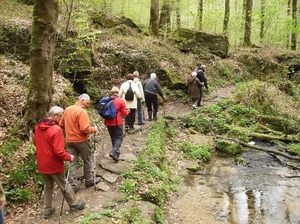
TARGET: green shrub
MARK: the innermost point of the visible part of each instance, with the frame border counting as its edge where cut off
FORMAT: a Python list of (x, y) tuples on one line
[(18, 195), (195, 152)]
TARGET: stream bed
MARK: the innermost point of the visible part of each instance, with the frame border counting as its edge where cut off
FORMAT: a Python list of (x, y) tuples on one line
[(261, 191)]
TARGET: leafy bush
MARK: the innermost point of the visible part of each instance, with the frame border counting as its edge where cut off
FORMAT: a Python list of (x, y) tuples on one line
[(195, 152)]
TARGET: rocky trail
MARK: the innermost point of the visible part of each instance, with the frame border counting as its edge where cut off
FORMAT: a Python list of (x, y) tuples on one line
[(105, 195)]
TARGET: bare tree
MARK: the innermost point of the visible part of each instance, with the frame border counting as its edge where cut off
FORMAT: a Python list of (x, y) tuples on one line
[(295, 23), (262, 19), (200, 14), (247, 32), (154, 17), (43, 36), (288, 35), (226, 17), (165, 17), (178, 20)]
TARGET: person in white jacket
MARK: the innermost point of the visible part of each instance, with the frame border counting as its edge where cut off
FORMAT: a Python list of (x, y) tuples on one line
[(139, 101), (131, 105)]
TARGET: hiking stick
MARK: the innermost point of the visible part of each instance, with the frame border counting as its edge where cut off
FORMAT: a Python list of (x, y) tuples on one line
[(94, 161), (62, 204)]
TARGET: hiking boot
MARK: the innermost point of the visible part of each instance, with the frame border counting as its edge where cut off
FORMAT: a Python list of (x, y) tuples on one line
[(94, 182), (47, 215), (141, 123), (114, 156), (76, 189), (80, 205)]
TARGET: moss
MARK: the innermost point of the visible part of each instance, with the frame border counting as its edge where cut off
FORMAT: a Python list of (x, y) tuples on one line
[(228, 147), (238, 133)]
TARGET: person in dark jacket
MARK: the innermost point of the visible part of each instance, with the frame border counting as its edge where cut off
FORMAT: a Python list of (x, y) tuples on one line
[(201, 77), (51, 154), (115, 126), (151, 89), (194, 85), (2, 204)]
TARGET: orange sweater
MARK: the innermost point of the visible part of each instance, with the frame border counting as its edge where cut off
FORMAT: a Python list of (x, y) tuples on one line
[(76, 122)]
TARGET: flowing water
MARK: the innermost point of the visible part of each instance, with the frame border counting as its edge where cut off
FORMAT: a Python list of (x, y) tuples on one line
[(263, 191)]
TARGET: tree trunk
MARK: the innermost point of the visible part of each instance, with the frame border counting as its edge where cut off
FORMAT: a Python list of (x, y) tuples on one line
[(288, 35), (200, 14), (178, 20), (294, 19), (247, 31), (165, 18), (262, 20), (154, 18), (226, 17), (39, 95)]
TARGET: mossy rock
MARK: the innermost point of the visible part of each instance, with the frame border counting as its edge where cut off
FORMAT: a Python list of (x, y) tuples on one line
[(238, 133), (228, 147)]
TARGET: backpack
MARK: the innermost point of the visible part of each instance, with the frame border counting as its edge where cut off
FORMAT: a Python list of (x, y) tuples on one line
[(107, 108), (129, 95)]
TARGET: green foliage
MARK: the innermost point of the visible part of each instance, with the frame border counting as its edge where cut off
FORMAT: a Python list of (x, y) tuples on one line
[(10, 147), (193, 151), (197, 121), (238, 133), (104, 216), (220, 125), (294, 149), (160, 217), (18, 195)]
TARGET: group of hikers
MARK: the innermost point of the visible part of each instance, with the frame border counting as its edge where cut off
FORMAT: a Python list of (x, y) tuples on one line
[(74, 120)]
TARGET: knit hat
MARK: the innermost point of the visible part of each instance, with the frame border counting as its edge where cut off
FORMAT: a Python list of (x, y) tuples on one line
[(194, 73), (136, 73)]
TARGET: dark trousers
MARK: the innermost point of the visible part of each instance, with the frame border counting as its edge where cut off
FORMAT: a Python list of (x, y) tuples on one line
[(200, 98), (151, 102), (130, 119), (1, 216), (116, 136), (139, 111)]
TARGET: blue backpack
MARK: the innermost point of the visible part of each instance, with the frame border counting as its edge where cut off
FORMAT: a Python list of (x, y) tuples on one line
[(107, 108)]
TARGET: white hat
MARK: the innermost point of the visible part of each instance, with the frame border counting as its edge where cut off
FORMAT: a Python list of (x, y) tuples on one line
[(115, 89), (153, 75), (194, 73), (202, 66), (136, 73)]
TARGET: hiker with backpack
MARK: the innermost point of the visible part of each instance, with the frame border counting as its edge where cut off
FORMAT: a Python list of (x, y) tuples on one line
[(130, 92), (139, 101), (193, 85), (115, 125), (151, 89), (50, 154), (200, 75)]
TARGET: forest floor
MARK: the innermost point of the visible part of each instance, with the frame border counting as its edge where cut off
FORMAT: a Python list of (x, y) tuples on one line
[(106, 191)]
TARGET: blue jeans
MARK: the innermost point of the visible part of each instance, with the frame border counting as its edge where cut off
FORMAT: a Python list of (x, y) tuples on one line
[(116, 136), (1, 216), (139, 111)]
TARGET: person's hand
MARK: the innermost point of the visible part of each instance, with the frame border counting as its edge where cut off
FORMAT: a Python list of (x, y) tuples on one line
[(72, 158), (2, 204)]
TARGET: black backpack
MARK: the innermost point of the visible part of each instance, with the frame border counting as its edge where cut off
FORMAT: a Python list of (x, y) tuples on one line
[(129, 95)]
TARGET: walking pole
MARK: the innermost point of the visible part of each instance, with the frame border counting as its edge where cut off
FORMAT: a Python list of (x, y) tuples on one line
[(62, 204), (94, 161)]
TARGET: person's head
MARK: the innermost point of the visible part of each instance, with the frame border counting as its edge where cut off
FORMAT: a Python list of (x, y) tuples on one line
[(129, 76), (56, 113), (194, 73), (84, 100), (203, 67), (136, 74), (153, 75), (115, 90)]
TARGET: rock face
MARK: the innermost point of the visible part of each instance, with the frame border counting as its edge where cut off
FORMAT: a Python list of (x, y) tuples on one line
[(201, 43)]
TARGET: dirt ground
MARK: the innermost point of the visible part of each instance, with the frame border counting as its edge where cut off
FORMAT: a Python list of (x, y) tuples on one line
[(96, 198)]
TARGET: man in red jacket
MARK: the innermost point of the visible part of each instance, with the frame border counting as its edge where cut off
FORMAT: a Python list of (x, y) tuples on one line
[(115, 126), (51, 154)]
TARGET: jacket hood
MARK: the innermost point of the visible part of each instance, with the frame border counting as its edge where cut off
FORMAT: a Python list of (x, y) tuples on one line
[(45, 123), (191, 79)]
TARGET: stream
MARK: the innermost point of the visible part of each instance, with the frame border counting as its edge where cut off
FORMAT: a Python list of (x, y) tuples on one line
[(261, 191)]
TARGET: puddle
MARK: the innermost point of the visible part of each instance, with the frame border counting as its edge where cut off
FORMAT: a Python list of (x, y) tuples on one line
[(224, 192)]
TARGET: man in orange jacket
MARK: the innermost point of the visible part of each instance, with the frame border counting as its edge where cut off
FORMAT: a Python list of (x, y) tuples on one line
[(51, 154), (75, 121)]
